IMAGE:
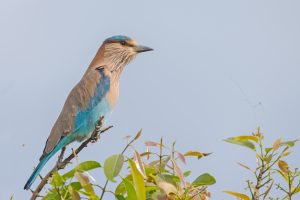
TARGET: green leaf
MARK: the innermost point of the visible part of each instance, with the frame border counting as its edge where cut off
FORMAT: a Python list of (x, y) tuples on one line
[(246, 138), (57, 179), (51, 195), (74, 194), (131, 194), (239, 195), (187, 173), (84, 166), (120, 189), (151, 189), (150, 171), (244, 166), (296, 190), (85, 183), (167, 178), (244, 143), (268, 150), (204, 179), (113, 166), (196, 154), (138, 181), (75, 185), (138, 135), (283, 166), (119, 197), (288, 143), (268, 158)]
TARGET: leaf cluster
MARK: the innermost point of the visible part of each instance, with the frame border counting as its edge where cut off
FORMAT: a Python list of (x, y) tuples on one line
[(270, 163), (153, 174)]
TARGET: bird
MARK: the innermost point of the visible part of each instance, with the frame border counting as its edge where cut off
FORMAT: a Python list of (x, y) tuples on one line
[(94, 96)]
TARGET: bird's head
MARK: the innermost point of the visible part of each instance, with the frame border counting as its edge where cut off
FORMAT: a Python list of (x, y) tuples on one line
[(119, 50)]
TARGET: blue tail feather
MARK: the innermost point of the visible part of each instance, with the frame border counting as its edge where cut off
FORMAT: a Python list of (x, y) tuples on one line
[(42, 163)]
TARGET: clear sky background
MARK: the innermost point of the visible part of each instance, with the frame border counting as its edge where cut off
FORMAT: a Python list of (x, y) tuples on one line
[(219, 69)]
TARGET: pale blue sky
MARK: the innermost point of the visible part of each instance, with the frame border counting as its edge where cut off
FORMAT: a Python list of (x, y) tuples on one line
[(220, 68)]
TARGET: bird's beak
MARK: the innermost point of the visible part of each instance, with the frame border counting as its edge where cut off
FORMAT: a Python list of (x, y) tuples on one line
[(140, 49)]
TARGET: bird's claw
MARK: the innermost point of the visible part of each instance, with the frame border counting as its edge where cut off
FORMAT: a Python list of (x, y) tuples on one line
[(60, 165), (95, 138)]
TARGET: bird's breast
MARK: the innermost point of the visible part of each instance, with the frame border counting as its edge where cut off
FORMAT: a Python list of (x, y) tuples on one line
[(106, 105), (113, 94)]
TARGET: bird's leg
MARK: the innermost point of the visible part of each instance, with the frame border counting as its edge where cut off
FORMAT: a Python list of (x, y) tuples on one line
[(60, 163), (96, 133)]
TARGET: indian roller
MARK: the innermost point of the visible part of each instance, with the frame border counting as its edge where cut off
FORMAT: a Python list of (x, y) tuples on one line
[(95, 95)]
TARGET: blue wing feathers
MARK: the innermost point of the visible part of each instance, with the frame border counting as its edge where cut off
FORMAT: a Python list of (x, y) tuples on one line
[(85, 122), (86, 119)]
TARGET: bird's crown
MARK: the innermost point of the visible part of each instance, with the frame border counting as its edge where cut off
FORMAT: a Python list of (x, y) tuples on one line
[(118, 38)]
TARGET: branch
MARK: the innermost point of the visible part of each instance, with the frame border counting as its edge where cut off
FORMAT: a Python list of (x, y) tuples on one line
[(62, 164)]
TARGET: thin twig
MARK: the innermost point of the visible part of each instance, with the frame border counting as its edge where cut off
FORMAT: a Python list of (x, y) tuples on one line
[(61, 155), (250, 189), (199, 192), (62, 164), (104, 189), (282, 189), (262, 185), (99, 186), (160, 154), (261, 172), (276, 160)]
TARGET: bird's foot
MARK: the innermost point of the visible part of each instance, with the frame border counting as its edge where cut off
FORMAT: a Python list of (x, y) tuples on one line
[(96, 134), (61, 156), (60, 165), (95, 138)]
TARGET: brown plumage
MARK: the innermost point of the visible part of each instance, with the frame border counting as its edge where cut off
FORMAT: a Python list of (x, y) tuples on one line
[(112, 56), (95, 95)]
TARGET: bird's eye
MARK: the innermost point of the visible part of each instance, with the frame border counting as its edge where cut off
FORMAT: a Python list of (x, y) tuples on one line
[(123, 43)]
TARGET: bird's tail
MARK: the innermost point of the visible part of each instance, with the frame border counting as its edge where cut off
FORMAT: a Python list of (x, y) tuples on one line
[(42, 163)]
